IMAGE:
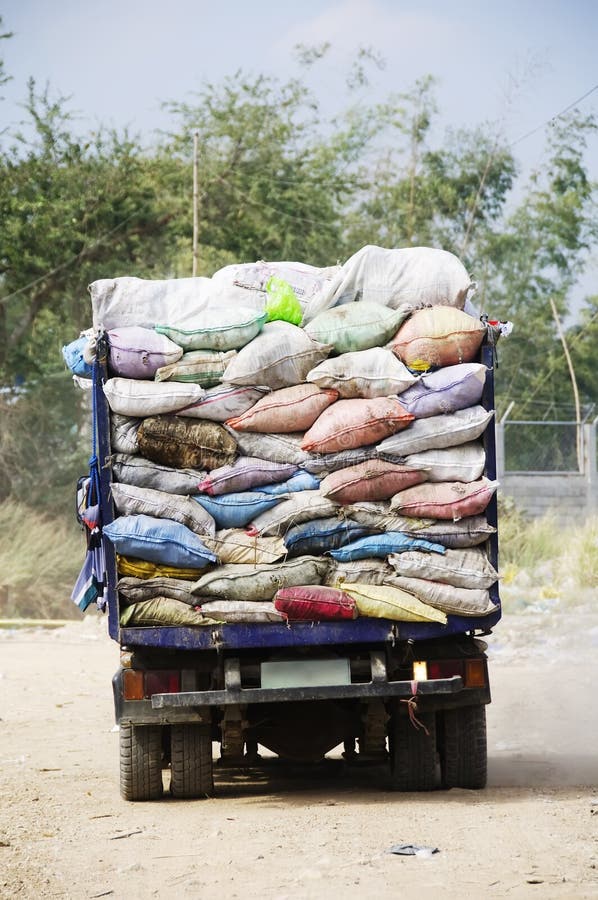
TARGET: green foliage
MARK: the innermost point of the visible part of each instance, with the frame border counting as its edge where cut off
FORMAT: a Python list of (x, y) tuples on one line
[(40, 558)]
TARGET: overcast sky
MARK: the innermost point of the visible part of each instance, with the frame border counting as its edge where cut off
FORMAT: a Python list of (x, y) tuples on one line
[(518, 62)]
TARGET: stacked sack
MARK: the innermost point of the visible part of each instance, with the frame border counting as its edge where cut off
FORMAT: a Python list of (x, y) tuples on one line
[(266, 472)]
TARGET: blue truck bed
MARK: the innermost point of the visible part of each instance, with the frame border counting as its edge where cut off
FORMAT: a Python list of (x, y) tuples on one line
[(359, 631)]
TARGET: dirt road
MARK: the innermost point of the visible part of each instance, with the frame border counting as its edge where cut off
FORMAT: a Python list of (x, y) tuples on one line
[(65, 832)]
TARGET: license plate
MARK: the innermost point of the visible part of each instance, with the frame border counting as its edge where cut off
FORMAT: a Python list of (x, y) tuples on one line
[(305, 673)]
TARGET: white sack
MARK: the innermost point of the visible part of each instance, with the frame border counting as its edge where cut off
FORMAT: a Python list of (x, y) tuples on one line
[(411, 276), (120, 302)]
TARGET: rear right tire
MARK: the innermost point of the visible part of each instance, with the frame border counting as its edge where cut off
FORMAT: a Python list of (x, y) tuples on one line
[(463, 755), (413, 753)]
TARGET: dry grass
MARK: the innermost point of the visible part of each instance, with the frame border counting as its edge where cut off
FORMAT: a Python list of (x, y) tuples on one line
[(40, 558)]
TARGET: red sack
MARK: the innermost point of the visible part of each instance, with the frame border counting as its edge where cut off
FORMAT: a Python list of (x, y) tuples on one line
[(315, 603)]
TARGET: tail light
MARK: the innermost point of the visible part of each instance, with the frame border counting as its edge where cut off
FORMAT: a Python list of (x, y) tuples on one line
[(140, 685), (445, 668)]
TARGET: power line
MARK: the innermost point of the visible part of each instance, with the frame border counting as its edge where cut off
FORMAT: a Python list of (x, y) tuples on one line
[(68, 262), (553, 118)]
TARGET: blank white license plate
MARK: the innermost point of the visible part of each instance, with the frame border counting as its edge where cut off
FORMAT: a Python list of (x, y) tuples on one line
[(305, 673)]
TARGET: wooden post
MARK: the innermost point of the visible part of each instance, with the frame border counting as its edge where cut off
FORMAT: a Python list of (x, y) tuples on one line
[(578, 430), (195, 201)]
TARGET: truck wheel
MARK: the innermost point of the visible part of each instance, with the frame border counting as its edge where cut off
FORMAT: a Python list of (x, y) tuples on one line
[(191, 773), (463, 756), (140, 762), (413, 753)]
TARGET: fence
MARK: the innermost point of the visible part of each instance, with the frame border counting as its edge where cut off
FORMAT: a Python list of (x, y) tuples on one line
[(549, 466)]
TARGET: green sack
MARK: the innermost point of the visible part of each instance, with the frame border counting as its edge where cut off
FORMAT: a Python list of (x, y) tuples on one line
[(282, 302)]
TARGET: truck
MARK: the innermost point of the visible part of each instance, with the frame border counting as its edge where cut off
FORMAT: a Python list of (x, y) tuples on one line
[(409, 697)]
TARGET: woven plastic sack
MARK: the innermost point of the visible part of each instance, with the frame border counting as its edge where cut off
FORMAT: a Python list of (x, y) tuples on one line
[(133, 397), (320, 535), (147, 474), (446, 500), (136, 352), (158, 540), (123, 434), (280, 448), (364, 571), (186, 443), (378, 513), (451, 600), (315, 603), (355, 326), (235, 611), (460, 568), (232, 545), (466, 532), (372, 480), (279, 357), (302, 481), (413, 275), (381, 545), (246, 284), (285, 411), (282, 302), (203, 367), (355, 423), (445, 391), (366, 373), (120, 302), (255, 583), (163, 611), (245, 473), (132, 500), (224, 401), (217, 329), (324, 463), (138, 590), (463, 463), (141, 568), (437, 432), (236, 510), (438, 336), (386, 602), (73, 356), (293, 510)]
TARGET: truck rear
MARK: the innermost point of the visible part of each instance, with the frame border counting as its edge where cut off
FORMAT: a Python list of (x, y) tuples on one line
[(408, 695)]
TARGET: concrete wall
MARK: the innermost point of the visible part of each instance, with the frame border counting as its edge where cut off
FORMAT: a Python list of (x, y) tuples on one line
[(571, 495)]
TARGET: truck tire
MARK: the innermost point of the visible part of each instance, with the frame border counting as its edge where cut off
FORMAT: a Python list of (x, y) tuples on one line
[(191, 772), (413, 753), (140, 762), (463, 757)]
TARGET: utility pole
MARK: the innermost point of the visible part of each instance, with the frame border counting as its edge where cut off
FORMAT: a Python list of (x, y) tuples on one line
[(195, 201)]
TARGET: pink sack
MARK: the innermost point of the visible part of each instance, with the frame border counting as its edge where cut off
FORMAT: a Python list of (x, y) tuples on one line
[(374, 479), (438, 336), (355, 423), (285, 411), (445, 500), (315, 603)]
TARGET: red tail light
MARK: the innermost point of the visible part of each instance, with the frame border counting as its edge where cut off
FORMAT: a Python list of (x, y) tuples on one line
[(445, 668), (162, 681)]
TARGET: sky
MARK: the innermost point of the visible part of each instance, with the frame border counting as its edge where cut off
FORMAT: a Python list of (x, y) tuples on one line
[(513, 64)]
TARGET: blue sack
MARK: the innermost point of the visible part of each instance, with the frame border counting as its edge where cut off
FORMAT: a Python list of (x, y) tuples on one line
[(382, 544), (159, 541), (320, 535), (236, 510), (301, 481), (73, 356)]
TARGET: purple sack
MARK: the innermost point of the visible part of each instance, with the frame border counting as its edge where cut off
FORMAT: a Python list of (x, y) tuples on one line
[(137, 352), (245, 473), (445, 391)]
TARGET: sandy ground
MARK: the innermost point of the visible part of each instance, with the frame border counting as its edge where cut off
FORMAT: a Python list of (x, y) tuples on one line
[(65, 832)]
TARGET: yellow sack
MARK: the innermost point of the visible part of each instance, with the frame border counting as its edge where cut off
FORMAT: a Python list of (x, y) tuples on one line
[(385, 602), (139, 568)]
